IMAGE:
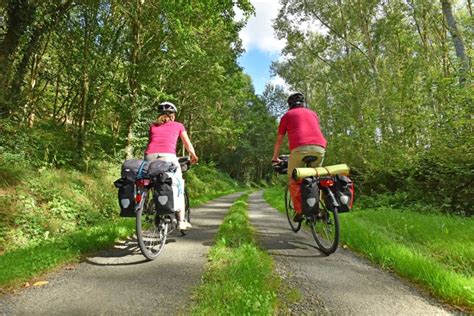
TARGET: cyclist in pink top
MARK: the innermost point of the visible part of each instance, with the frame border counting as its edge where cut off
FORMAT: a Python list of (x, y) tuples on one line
[(304, 135), (164, 134)]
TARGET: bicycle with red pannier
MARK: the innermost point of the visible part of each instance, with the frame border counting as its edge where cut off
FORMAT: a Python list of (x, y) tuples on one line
[(319, 199)]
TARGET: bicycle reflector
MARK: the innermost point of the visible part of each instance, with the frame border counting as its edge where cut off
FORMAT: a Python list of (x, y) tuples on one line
[(326, 182), (138, 198), (142, 182)]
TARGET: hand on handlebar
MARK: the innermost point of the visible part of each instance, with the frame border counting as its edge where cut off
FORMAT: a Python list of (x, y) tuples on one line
[(194, 158)]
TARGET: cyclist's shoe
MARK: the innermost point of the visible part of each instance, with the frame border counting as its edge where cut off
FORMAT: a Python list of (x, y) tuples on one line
[(184, 225), (320, 215), (298, 217)]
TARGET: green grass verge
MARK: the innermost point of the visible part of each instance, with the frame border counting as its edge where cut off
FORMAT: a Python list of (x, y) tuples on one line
[(239, 279), (28, 262), (31, 261), (433, 250), (54, 216)]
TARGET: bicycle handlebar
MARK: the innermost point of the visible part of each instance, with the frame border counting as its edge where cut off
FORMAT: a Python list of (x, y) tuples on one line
[(185, 163)]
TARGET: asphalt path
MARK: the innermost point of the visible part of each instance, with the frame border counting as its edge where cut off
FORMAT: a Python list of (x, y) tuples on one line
[(119, 281), (340, 284)]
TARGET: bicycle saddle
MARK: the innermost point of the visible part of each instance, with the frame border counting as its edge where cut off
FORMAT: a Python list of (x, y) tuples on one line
[(309, 159)]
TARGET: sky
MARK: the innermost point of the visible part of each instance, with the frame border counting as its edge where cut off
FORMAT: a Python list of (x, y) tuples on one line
[(261, 44)]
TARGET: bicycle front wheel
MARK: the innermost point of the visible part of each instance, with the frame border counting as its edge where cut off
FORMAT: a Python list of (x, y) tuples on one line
[(187, 210), (325, 229), (151, 231), (290, 212)]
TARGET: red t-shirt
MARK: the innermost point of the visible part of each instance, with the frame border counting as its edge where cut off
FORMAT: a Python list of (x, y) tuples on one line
[(303, 128), (163, 138)]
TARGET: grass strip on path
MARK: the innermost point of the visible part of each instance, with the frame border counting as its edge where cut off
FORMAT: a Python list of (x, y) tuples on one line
[(239, 279), (433, 250)]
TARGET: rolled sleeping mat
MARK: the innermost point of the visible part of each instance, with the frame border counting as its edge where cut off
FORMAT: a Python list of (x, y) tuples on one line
[(300, 173)]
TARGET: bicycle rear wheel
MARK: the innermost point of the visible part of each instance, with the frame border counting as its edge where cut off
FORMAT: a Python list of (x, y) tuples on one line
[(325, 229), (290, 212), (151, 230)]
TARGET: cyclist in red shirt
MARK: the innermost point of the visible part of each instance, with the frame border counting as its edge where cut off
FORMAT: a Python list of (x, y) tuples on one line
[(162, 141), (304, 136)]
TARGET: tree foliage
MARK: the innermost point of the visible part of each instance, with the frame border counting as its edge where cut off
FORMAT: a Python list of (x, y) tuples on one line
[(394, 96), (91, 71)]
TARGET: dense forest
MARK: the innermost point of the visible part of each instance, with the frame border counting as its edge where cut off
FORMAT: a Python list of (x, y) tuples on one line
[(391, 81), (79, 79)]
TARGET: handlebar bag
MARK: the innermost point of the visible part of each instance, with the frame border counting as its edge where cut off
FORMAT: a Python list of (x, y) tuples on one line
[(126, 197), (310, 196), (168, 193), (282, 167)]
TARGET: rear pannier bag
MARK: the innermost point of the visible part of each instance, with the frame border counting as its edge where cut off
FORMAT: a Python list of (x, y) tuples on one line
[(295, 194), (126, 197), (343, 190), (168, 193), (309, 196)]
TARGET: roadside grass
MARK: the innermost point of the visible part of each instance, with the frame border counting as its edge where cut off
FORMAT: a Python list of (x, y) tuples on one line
[(239, 279), (433, 250), (56, 216), (25, 263)]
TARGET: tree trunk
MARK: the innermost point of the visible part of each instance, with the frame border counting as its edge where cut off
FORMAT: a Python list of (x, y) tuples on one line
[(20, 16), (457, 39), (11, 42), (81, 139), (133, 75)]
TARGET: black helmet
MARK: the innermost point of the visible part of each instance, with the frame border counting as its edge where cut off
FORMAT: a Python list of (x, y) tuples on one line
[(167, 108), (295, 99)]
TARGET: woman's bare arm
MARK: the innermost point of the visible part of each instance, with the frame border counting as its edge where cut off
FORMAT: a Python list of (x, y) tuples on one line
[(189, 147)]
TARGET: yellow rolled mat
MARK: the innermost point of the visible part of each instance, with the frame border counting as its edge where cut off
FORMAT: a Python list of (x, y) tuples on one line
[(342, 169)]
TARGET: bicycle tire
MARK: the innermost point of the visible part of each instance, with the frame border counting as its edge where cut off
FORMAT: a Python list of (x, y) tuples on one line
[(290, 212), (325, 229), (187, 210), (150, 229)]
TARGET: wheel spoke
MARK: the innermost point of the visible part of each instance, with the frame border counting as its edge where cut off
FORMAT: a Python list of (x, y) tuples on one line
[(151, 231), (325, 230)]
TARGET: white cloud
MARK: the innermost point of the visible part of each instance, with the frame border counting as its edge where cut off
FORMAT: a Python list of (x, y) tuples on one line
[(279, 81), (258, 33)]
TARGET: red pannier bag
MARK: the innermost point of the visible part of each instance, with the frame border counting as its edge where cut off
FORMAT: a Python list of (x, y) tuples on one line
[(295, 193)]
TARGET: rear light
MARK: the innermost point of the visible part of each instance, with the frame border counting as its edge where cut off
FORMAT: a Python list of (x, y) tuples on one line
[(326, 182), (138, 198), (142, 182)]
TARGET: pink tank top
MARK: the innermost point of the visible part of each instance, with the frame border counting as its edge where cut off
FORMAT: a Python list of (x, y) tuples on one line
[(163, 138)]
